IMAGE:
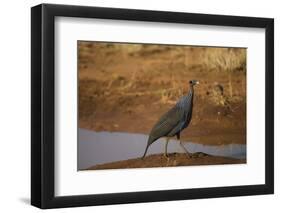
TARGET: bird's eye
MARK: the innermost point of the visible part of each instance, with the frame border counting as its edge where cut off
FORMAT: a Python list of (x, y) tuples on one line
[(190, 82)]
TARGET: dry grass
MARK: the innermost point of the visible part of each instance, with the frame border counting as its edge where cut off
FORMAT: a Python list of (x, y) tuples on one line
[(224, 59), (181, 59)]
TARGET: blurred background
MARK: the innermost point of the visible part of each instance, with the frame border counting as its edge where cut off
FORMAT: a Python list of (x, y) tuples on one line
[(127, 87)]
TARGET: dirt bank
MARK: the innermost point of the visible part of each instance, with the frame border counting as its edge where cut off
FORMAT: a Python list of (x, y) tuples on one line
[(175, 159)]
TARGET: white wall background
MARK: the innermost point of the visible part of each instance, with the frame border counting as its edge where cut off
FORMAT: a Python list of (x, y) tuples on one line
[(15, 105)]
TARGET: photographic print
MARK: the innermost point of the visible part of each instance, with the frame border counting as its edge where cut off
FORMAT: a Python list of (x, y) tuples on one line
[(179, 94), (157, 105)]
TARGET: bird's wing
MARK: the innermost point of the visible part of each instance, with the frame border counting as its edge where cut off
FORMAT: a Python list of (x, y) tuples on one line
[(169, 121)]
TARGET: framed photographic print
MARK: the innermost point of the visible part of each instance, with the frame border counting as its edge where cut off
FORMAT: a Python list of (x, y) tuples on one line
[(139, 106)]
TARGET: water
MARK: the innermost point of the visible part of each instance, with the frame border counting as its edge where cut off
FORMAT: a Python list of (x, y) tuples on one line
[(104, 147)]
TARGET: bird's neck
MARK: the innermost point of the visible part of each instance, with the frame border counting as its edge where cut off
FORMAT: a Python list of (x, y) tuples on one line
[(186, 99), (191, 90), (191, 93)]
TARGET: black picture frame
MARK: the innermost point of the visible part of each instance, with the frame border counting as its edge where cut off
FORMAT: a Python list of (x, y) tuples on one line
[(43, 117)]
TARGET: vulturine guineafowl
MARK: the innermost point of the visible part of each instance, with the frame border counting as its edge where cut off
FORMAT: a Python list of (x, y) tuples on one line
[(174, 121)]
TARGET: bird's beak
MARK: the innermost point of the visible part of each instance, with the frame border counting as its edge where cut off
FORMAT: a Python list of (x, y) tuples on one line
[(197, 82)]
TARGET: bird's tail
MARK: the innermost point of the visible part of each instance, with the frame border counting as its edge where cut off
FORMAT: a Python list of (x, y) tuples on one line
[(148, 144), (145, 151)]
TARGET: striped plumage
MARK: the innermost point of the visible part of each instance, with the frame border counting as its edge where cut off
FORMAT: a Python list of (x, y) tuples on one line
[(175, 120)]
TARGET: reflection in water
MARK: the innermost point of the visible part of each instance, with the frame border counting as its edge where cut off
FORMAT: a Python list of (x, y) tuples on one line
[(104, 147)]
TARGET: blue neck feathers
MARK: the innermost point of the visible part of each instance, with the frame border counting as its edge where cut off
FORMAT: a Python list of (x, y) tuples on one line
[(187, 99)]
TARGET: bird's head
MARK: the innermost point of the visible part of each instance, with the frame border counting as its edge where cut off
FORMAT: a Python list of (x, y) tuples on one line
[(193, 82)]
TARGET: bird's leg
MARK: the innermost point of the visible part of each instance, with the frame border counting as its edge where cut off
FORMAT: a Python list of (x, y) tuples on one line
[(166, 148), (188, 154)]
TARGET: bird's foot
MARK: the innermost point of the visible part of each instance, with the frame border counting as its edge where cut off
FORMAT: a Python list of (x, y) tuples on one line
[(199, 154), (188, 155), (167, 156)]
